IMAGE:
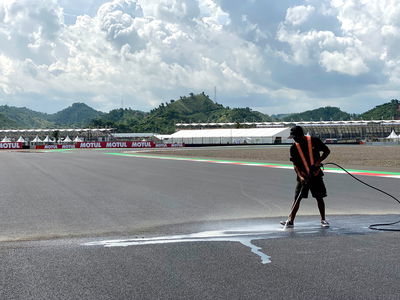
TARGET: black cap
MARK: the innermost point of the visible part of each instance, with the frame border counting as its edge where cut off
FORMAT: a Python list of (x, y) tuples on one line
[(296, 131)]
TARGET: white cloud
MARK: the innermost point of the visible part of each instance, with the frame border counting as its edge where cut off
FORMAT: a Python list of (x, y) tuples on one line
[(347, 63), (298, 14), (148, 51)]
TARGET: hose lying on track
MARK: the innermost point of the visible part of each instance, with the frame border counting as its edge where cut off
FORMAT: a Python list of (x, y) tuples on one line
[(372, 226)]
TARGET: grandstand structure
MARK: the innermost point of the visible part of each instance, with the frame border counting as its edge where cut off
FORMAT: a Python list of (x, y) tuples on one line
[(346, 131)]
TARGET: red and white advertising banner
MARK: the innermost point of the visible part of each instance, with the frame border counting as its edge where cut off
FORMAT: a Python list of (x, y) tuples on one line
[(140, 144), (127, 144), (11, 145), (169, 145), (50, 147)]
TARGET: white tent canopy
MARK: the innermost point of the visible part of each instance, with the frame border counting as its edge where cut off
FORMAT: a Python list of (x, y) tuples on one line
[(21, 140), (47, 140), (36, 140), (393, 135), (67, 140), (5, 140), (78, 139), (230, 135)]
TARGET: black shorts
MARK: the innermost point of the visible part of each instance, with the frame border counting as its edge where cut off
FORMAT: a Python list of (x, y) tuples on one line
[(316, 185)]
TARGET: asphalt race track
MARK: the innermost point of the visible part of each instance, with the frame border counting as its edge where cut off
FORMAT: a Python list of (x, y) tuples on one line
[(85, 224)]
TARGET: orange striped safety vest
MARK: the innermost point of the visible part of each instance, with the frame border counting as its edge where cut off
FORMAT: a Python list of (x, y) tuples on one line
[(310, 153)]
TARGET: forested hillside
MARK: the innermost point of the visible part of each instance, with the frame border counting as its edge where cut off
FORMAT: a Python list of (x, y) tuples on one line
[(320, 114), (21, 117), (387, 111), (188, 109), (76, 115), (192, 109), (123, 119)]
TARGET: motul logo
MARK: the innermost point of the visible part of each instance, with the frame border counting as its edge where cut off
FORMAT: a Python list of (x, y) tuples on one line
[(10, 145), (90, 145), (116, 145)]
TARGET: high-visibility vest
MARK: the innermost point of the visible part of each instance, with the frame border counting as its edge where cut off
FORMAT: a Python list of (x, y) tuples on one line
[(310, 153)]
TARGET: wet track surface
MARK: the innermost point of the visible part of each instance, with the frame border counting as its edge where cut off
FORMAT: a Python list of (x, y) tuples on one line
[(248, 231), (98, 226)]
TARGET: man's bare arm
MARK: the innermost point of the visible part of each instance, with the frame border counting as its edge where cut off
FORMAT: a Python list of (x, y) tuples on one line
[(323, 156)]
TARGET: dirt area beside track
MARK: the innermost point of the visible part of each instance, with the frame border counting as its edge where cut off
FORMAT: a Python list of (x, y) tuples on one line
[(350, 156)]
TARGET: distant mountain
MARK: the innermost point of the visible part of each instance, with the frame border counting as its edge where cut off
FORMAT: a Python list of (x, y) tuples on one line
[(21, 117), (195, 108), (188, 109), (320, 114), (76, 115), (279, 116), (122, 119), (387, 111), (6, 122)]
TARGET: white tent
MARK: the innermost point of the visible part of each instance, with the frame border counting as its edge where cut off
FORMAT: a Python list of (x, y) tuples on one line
[(78, 139), (60, 140), (67, 140), (21, 140), (47, 140), (6, 140), (36, 140), (231, 136), (393, 135)]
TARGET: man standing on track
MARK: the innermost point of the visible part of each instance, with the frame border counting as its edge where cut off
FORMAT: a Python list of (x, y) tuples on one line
[(306, 158)]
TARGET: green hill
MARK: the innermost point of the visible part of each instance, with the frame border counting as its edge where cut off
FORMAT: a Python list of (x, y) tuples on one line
[(320, 114), (189, 109), (121, 119), (195, 108), (21, 117), (6, 122), (76, 115), (387, 111)]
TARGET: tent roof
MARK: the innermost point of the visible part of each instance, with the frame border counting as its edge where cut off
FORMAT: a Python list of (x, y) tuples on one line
[(235, 133), (36, 140), (78, 139), (67, 139), (393, 135), (47, 139)]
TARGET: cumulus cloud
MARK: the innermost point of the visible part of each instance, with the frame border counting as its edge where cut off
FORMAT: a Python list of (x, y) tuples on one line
[(298, 14), (269, 55)]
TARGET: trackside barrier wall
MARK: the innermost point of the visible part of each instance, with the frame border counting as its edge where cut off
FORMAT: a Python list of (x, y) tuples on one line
[(10, 145), (97, 145)]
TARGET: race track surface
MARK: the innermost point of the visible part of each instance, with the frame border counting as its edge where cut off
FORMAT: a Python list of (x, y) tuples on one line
[(87, 224)]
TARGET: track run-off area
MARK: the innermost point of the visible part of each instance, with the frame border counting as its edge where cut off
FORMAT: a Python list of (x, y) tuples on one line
[(260, 164), (84, 224)]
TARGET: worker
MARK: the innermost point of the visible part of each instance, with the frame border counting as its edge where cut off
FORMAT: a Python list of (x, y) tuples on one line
[(305, 154)]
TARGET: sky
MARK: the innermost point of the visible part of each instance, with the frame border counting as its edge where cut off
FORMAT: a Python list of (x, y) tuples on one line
[(283, 56)]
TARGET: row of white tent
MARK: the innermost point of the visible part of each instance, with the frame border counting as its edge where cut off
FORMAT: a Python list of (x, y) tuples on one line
[(47, 139)]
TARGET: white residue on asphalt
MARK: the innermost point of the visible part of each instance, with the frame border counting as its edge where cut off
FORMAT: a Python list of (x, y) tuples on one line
[(244, 237)]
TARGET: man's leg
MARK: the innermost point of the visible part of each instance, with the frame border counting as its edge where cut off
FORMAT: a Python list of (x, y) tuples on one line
[(321, 207), (295, 208)]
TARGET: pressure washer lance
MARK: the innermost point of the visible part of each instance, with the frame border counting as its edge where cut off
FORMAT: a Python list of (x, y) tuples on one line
[(294, 204), (372, 226)]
